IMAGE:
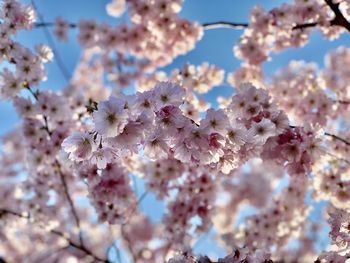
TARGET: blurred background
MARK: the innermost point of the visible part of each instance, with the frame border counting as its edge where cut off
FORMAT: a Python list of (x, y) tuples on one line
[(215, 47)]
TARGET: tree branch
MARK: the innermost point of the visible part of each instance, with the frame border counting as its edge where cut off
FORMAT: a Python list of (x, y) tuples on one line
[(62, 177), (70, 201), (225, 24), (336, 137), (51, 24), (339, 19), (80, 247), (49, 38)]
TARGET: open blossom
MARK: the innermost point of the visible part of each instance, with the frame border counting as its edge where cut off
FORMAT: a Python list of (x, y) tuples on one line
[(156, 147), (215, 121), (111, 117), (76, 163), (167, 93), (237, 134), (24, 107), (79, 146), (262, 130), (10, 85), (116, 8), (61, 29), (340, 227), (44, 52), (102, 156)]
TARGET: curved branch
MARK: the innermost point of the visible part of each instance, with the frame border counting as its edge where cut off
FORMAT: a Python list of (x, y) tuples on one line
[(336, 137), (225, 24)]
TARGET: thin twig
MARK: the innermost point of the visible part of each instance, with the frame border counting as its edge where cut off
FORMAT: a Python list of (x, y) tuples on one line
[(143, 196), (70, 201), (128, 244), (58, 233), (62, 177), (337, 158), (225, 24), (336, 137), (79, 246), (6, 211), (49, 38), (51, 24)]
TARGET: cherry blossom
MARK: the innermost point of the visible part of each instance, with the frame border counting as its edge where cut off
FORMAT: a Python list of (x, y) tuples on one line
[(247, 171)]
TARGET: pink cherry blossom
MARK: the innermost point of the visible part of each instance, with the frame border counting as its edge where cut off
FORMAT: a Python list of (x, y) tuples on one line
[(79, 146), (252, 171)]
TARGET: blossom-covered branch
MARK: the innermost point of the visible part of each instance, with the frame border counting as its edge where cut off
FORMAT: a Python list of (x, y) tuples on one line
[(81, 247), (79, 155), (338, 20)]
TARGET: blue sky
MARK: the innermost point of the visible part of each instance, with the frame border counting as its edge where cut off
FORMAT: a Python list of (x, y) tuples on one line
[(215, 47)]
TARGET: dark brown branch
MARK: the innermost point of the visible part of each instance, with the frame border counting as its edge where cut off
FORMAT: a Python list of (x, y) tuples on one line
[(306, 25), (336, 137), (339, 19), (346, 102), (51, 24), (210, 25), (225, 24), (5, 211), (35, 95)]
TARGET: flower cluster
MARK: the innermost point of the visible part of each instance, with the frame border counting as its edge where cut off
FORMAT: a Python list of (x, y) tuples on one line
[(153, 119), (111, 195), (157, 34), (287, 26), (302, 94), (72, 171)]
